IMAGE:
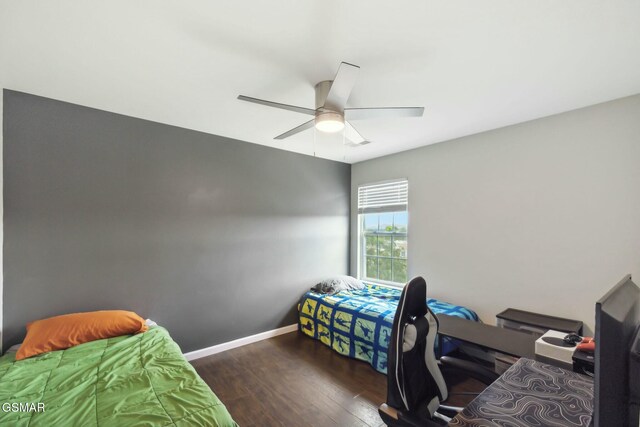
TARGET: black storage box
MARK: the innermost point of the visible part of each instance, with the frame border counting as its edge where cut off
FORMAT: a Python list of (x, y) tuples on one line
[(535, 323), (583, 362)]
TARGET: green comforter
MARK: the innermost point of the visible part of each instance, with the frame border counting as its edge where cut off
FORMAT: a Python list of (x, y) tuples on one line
[(124, 381)]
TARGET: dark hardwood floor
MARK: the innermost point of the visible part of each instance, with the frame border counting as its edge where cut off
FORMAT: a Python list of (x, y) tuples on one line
[(293, 380)]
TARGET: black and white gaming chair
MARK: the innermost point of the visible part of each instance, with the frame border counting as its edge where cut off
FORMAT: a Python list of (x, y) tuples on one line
[(415, 385)]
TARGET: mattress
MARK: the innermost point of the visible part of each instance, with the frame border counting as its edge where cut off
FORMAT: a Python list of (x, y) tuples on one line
[(130, 380), (358, 323)]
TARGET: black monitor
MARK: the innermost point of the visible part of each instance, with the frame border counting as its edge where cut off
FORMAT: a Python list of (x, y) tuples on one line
[(617, 324)]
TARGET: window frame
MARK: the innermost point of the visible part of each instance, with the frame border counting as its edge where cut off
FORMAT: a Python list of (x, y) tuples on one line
[(362, 235)]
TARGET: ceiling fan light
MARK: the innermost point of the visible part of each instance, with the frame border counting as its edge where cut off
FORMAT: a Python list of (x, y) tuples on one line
[(329, 122)]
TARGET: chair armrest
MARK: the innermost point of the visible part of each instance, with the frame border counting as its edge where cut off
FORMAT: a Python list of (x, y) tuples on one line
[(471, 369)]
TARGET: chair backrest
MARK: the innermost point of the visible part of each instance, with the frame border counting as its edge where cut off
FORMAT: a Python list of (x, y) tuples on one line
[(414, 381)]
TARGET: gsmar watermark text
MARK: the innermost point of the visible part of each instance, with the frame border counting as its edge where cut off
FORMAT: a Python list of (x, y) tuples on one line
[(22, 407)]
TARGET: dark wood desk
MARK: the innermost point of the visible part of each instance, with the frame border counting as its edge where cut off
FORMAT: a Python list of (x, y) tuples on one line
[(507, 341), (559, 397), (532, 393)]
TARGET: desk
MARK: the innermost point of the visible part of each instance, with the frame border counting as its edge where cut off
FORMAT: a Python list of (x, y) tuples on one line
[(507, 341), (532, 393)]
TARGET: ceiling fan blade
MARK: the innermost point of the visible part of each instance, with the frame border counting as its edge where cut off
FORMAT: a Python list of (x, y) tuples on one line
[(296, 129), (353, 144), (341, 87), (302, 110), (382, 112), (353, 136)]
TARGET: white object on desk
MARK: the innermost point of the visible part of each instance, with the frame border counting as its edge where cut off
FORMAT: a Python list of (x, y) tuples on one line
[(555, 352)]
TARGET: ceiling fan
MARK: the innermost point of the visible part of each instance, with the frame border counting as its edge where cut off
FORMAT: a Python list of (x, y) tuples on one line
[(331, 114)]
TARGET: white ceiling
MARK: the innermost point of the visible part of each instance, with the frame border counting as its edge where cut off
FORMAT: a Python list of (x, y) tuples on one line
[(474, 65)]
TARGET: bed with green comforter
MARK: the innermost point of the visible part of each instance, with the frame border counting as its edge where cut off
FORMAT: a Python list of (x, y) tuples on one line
[(125, 381)]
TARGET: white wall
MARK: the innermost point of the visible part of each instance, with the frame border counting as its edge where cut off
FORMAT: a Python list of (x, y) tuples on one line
[(542, 216)]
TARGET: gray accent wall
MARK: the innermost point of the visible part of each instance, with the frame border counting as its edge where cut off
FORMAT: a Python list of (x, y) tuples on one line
[(213, 238), (542, 216)]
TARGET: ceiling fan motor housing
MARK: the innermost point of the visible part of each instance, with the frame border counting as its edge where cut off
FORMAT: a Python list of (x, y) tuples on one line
[(328, 118), (322, 90)]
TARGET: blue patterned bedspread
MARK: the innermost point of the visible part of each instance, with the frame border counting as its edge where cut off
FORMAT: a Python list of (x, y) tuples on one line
[(358, 323)]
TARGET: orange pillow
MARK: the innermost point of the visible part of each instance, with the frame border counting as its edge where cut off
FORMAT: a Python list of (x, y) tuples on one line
[(60, 332)]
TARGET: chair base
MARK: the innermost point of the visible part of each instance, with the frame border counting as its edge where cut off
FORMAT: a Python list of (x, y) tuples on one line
[(395, 418)]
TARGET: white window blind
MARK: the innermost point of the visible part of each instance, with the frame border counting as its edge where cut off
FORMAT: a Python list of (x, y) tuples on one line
[(383, 197)]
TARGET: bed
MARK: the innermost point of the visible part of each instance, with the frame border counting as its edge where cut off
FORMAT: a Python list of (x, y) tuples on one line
[(138, 379), (358, 323)]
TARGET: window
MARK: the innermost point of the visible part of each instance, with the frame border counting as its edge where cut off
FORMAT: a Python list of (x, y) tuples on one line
[(382, 232)]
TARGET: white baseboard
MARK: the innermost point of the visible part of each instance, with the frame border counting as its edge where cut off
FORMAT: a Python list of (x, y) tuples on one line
[(219, 348)]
